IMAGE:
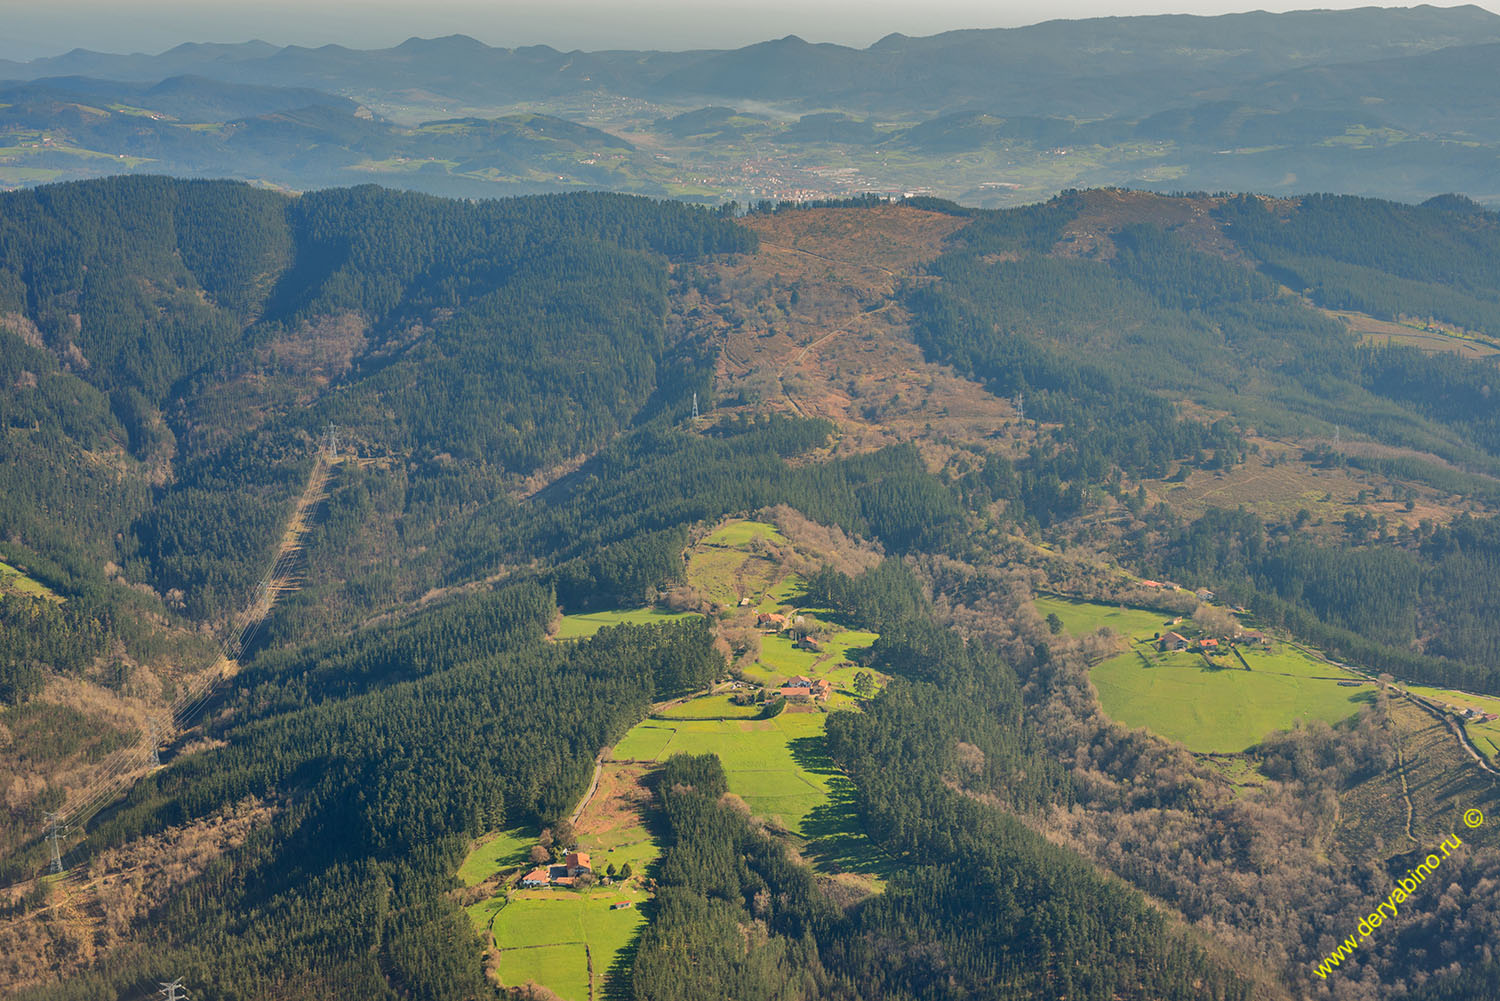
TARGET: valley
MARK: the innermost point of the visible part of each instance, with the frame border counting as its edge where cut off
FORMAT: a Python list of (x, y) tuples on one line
[(815, 564)]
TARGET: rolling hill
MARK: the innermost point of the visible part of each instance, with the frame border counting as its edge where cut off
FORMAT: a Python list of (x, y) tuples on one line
[(463, 435)]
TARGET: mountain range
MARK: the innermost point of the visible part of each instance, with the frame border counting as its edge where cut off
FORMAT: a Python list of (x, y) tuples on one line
[(1394, 102)]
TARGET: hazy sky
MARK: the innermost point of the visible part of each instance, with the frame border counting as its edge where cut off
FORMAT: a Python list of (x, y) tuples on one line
[(47, 27)]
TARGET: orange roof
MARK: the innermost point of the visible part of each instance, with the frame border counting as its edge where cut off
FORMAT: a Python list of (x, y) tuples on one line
[(1209, 643), (537, 875), (578, 860)]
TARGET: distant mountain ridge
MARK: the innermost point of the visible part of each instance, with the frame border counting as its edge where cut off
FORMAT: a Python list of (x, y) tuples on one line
[(1390, 103), (1080, 67)]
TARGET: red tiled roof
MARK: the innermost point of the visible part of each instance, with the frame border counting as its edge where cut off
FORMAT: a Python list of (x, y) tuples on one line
[(537, 876), (578, 860)]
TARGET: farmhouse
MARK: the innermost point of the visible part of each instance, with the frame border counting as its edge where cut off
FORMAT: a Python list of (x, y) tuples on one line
[(771, 620), (1208, 645), (808, 643), (574, 865), (800, 689), (1172, 641), (1255, 638), (1204, 594)]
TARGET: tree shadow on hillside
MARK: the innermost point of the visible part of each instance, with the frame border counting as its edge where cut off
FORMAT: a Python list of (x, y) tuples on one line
[(835, 831)]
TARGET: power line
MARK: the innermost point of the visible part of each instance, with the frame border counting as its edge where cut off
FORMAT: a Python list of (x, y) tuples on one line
[(117, 776), (54, 825), (173, 990)]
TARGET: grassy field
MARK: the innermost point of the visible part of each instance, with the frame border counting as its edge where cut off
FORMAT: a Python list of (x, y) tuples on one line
[(1208, 706), (780, 768), (549, 937), (564, 969), (712, 705), (588, 623), (758, 756), (736, 534), (1222, 709), (497, 853), (1081, 617), (17, 582), (726, 566)]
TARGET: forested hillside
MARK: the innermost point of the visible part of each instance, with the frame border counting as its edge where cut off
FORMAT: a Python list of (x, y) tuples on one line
[(1096, 327), (456, 426)]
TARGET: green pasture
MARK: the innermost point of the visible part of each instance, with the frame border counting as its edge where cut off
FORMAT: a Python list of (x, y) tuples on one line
[(1223, 709), (563, 969), (760, 757), (733, 534), (781, 769), (482, 914), (784, 592), (780, 655), (711, 705), (588, 623), (1082, 617), (1283, 658), (724, 566), (497, 853), (17, 582), (541, 935), (720, 573), (1447, 696)]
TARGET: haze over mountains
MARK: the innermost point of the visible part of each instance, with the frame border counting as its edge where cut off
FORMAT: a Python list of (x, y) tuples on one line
[(1399, 103)]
